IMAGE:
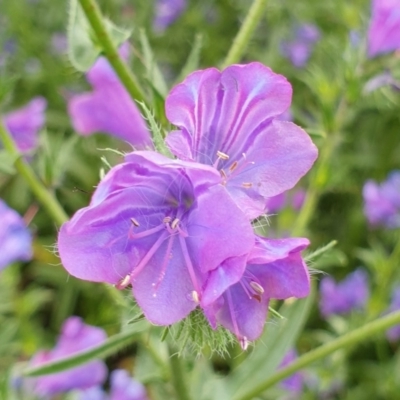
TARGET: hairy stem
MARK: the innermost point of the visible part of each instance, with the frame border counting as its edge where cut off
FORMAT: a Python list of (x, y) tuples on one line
[(95, 18), (242, 38), (45, 197), (356, 336)]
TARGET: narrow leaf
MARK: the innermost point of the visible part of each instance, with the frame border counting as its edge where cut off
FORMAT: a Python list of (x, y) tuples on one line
[(109, 347), (272, 347), (154, 75)]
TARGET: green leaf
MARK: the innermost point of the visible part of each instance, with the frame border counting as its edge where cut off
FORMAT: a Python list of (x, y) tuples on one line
[(109, 347), (154, 75), (82, 47), (272, 347), (192, 63)]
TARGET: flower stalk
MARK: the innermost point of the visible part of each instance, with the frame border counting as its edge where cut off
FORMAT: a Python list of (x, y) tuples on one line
[(95, 19), (242, 38), (177, 375), (45, 197), (358, 335)]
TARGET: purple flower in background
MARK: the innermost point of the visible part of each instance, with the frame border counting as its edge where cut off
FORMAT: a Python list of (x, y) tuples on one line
[(166, 12), (229, 120), (123, 387), (15, 238), (350, 294), (75, 336), (384, 28), (161, 225), (294, 383), (25, 123), (238, 298), (59, 43), (382, 201), (299, 49), (292, 199), (109, 108), (393, 334), (276, 203)]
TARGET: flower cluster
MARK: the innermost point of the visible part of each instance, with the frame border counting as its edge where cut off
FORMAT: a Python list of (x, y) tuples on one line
[(86, 379), (350, 294), (382, 202), (179, 230)]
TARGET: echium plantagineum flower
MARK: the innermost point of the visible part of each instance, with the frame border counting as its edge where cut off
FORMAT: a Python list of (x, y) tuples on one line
[(295, 382), (122, 387), (75, 336), (230, 120), (166, 12), (300, 48), (384, 28), (238, 298), (162, 226), (382, 201), (15, 238), (25, 123), (350, 294), (109, 107)]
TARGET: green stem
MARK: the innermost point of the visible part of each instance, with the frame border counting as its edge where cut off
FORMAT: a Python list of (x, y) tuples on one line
[(177, 375), (40, 191), (95, 18), (242, 38), (353, 337)]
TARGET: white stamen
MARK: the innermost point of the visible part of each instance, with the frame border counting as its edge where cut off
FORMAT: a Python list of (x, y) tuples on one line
[(175, 223), (247, 185), (134, 222), (123, 283), (257, 287), (223, 174), (222, 155), (195, 297), (244, 343), (233, 166), (166, 220)]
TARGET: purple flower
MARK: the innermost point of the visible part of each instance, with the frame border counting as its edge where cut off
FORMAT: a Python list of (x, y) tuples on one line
[(341, 298), (59, 43), (15, 238), (109, 108), (294, 383), (384, 28), (276, 203), (123, 387), (293, 199), (75, 336), (25, 123), (229, 120), (161, 225), (382, 202), (393, 334), (166, 12), (300, 48), (237, 297)]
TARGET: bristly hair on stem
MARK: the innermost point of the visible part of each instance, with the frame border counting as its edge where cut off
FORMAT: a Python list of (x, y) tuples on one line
[(194, 335)]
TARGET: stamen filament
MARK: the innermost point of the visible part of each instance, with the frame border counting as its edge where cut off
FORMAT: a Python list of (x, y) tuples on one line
[(189, 265)]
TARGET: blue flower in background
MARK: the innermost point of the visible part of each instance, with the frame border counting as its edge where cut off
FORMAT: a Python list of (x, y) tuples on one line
[(15, 238), (382, 201), (350, 294), (166, 12), (299, 50)]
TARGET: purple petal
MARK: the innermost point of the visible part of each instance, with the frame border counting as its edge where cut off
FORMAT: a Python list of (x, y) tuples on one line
[(25, 123), (109, 108), (15, 238), (294, 383), (166, 12), (231, 114), (384, 28)]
